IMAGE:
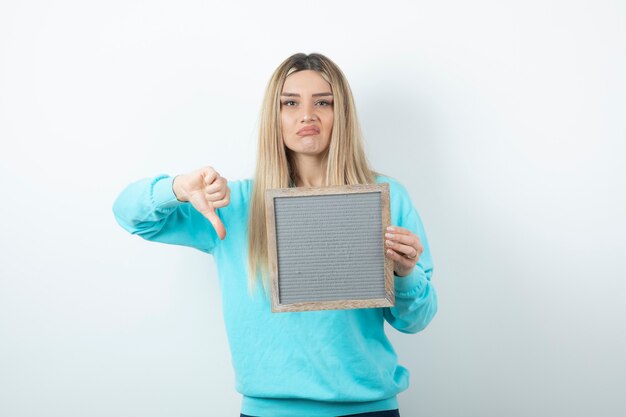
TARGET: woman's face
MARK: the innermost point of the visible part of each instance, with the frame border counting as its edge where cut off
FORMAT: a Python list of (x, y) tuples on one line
[(306, 111)]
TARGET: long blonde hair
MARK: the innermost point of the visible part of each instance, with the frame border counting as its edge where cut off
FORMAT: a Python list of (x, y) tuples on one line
[(346, 163)]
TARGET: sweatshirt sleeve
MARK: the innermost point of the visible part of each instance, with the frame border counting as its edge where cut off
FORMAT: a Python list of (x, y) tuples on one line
[(416, 299), (149, 208)]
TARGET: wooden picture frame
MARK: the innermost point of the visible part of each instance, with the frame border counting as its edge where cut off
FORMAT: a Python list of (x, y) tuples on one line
[(326, 247)]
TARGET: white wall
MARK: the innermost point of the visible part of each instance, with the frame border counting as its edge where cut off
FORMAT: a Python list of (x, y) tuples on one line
[(505, 120)]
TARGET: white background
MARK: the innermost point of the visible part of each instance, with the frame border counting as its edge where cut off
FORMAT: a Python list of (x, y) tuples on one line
[(505, 121)]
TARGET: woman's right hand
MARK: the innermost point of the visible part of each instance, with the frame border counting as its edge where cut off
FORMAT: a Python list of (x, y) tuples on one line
[(206, 190)]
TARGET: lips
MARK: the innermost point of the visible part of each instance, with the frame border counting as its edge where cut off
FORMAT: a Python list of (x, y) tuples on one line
[(309, 130)]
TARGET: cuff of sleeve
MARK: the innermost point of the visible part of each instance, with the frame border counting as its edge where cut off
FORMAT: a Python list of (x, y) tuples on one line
[(163, 194), (410, 284)]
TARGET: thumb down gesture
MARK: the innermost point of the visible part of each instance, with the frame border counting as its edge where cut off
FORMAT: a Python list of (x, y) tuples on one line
[(206, 190)]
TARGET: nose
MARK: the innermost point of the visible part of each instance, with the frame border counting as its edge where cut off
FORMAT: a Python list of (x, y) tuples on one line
[(309, 113)]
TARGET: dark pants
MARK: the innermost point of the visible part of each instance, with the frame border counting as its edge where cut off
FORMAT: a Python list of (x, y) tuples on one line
[(389, 413)]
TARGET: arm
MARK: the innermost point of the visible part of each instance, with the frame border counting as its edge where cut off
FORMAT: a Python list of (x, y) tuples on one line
[(416, 299), (150, 209)]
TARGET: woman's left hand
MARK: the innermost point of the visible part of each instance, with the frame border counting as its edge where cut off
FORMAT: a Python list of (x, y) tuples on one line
[(404, 248)]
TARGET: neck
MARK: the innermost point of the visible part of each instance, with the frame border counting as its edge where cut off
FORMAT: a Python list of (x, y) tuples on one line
[(311, 170)]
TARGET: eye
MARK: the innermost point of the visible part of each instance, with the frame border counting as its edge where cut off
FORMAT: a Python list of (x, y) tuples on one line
[(324, 103), (289, 103)]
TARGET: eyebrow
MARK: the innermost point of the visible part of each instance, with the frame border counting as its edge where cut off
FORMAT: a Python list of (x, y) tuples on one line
[(298, 95)]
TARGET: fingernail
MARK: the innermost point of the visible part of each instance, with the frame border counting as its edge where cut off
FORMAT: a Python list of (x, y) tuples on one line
[(390, 229), (389, 251), (390, 243), (389, 235)]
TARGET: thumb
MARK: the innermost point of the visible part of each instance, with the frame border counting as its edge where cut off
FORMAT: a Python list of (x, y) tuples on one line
[(208, 211), (216, 222)]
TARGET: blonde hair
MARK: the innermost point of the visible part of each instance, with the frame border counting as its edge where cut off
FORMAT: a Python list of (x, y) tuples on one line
[(346, 163)]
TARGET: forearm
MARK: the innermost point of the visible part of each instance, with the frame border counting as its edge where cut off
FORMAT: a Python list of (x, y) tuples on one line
[(143, 205), (416, 302), (149, 208)]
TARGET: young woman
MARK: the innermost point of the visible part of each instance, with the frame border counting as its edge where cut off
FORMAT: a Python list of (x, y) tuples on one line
[(317, 363)]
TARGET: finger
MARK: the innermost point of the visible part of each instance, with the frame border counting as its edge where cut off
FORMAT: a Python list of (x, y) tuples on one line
[(404, 250), (218, 184), (399, 230), (401, 262), (219, 195), (409, 240), (224, 202), (217, 224), (210, 176), (208, 210)]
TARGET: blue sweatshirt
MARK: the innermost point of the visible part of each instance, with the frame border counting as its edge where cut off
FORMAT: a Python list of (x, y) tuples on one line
[(314, 363)]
